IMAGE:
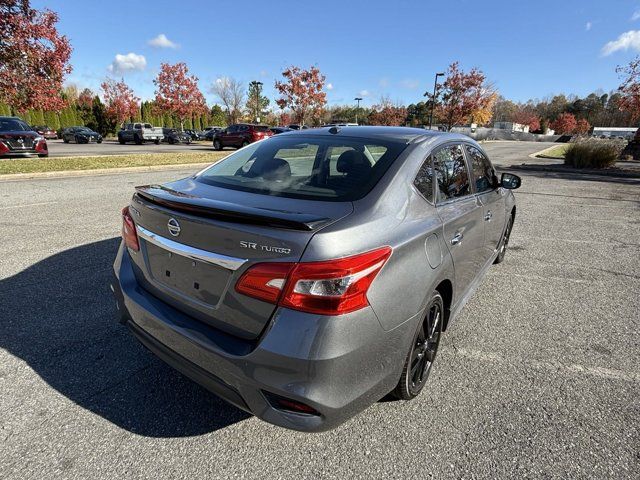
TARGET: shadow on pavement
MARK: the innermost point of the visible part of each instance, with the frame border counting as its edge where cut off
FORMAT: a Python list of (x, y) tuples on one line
[(58, 316)]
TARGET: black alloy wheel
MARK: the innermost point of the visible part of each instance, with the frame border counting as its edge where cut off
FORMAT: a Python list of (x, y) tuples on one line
[(423, 351)]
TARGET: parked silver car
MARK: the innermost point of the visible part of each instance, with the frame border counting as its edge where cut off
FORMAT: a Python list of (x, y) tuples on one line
[(308, 275)]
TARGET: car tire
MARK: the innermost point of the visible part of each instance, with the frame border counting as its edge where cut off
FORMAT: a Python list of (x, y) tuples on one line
[(171, 141), (65, 139), (43, 155), (217, 145), (157, 142), (504, 242), (424, 347), (121, 141), (100, 141), (138, 140), (244, 144)]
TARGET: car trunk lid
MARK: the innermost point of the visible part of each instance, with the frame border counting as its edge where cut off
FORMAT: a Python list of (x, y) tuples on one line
[(197, 240)]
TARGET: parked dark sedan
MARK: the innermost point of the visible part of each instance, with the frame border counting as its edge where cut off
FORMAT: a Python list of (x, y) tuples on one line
[(240, 135), (209, 133), (173, 136), (308, 275), (80, 135), (277, 130), (193, 134), (47, 132), (17, 139)]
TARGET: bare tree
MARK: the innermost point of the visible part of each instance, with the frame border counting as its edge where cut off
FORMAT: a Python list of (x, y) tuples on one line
[(231, 93)]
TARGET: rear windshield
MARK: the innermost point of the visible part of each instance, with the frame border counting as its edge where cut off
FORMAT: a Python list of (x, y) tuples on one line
[(313, 168), (12, 125)]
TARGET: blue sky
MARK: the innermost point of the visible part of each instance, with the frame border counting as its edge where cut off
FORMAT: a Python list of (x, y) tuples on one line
[(365, 48)]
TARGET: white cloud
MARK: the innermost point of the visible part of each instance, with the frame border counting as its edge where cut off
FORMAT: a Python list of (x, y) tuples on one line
[(410, 84), (588, 26), (384, 82), (329, 86), (364, 93), (626, 41), (127, 63), (161, 41), (636, 15)]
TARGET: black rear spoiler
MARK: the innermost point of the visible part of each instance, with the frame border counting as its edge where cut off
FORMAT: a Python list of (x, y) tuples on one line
[(225, 211)]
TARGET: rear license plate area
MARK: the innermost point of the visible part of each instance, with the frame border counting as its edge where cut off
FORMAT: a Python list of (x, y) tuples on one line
[(199, 281)]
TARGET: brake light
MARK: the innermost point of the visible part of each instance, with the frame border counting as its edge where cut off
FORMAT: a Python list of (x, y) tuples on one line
[(129, 234), (41, 146), (3, 148), (330, 287)]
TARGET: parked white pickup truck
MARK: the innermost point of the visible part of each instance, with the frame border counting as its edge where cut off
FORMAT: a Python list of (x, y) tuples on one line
[(139, 133)]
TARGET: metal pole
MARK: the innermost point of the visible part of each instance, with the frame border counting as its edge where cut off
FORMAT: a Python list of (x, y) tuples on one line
[(357, 99), (433, 99)]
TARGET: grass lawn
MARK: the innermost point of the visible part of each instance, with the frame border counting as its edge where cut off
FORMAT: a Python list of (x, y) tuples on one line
[(556, 152), (57, 164)]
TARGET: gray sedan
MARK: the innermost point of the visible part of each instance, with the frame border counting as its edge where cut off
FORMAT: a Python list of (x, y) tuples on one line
[(310, 274)]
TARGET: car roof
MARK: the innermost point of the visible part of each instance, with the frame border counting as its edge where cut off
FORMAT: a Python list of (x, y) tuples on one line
[(398, 134)]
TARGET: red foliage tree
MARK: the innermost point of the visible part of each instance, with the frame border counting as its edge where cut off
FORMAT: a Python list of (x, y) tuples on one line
[(121, 104), (85, 99), (386, 113), (285, 118), (178, 93), (525, 116), (565, 123), (302, 92), (630, 89), (34, 58), (582, 126), (462, 95)]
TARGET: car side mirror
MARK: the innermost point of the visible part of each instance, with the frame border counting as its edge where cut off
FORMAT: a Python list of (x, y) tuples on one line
[(510, 181)]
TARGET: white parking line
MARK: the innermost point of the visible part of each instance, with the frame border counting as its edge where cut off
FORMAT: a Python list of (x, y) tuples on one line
[(601, 372), (27, 205)]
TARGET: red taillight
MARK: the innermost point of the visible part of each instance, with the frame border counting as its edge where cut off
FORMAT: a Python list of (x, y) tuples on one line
[(330, 287), (129, 234), (3, 148), (41, 146), (265, 281)]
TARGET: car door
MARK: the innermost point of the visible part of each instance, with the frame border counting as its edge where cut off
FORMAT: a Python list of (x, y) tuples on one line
[(491, 195), (229, 136), (460, 213)]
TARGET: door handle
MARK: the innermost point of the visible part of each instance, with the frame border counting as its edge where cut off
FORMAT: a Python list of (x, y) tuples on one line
[(457, 238), (488, 216)]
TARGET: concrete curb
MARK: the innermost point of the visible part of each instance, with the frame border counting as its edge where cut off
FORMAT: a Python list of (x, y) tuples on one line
[(576, 171), (102, 171)]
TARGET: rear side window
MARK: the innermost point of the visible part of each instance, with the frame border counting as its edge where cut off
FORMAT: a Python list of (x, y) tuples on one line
[(484, 175), (424, 180), (451, 172), (261, 128), (330, 168)]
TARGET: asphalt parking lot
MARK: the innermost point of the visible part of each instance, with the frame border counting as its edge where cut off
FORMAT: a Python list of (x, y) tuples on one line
[(57, 148), (538, 377)]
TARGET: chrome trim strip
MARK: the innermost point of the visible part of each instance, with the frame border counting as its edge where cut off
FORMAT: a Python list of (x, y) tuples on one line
[(230, 263)]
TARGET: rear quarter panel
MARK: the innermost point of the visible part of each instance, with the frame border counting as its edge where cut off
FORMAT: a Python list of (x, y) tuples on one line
[(393, 214)]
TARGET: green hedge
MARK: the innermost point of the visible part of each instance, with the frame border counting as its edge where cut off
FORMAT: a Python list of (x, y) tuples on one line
[(592, 154)]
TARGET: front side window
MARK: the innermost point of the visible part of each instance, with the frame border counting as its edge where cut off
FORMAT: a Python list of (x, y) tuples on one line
[(314, 168), (451, 172), (484, 175), (424, 180)]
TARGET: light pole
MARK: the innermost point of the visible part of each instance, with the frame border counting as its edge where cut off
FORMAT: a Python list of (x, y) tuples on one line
[(258, 87), (433, 99), (357, 99)]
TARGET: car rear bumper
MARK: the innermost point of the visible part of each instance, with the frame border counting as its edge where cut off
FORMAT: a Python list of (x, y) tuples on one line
[(336, 365)]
